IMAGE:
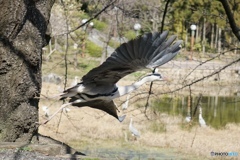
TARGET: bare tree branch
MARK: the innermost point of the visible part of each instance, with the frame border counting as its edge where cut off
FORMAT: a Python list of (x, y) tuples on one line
[(150, 89), (164, 14), (197, 105), (89, 20), (204, 77), (231, 19), (208, 60), (66, 49)]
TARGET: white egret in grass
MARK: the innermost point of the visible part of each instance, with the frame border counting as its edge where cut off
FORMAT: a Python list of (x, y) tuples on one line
[(133, 130), (46, 111), (188, 118), (200, 118)]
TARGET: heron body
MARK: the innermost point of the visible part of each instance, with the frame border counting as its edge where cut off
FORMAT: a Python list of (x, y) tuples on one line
[(98, 87)]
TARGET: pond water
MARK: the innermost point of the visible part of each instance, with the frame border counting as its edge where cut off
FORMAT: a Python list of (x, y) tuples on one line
[(217, 111), (137, 154)]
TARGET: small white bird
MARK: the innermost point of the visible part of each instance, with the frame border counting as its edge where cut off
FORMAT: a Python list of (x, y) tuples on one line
[(200, 118), (133, 130), (46, 111), (66, 110), (125, 104), (188, 119)]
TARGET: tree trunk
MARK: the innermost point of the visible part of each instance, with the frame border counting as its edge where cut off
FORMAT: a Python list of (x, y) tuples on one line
[(186, 40), (216, 37), (219, 40), (204, 36), (212, 36), (197, 33), (23, 33)]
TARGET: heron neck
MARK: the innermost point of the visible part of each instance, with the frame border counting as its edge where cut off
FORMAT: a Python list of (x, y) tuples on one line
[(128, 89)]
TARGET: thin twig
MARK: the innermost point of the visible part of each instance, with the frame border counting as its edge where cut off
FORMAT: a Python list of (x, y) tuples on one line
[(59, 121), (190, 100), (66, 49), (89, 20), (208, 60), (198, 104), (204, 77), (194, 137), (150, 88), (164, 14)]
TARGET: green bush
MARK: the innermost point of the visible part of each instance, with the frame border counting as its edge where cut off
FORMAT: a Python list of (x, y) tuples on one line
[(130, 34), (99, 25), (114, 44), (93, 49)]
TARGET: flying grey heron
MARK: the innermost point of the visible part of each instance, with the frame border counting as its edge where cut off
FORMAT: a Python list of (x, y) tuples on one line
[(200, 118), (133, 130), (98, 88)]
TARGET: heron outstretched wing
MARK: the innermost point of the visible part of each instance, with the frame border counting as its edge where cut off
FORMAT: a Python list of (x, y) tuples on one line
[(107, 106), (148, 51)]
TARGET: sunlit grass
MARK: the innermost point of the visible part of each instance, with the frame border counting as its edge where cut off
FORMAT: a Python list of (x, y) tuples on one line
[(157, 127), (86, 127)]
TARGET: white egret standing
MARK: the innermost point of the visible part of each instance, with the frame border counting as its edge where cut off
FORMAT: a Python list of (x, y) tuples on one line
[(200, 118), (98, 87), (188, 118), (46, 111), (66, 110), (133, 130)]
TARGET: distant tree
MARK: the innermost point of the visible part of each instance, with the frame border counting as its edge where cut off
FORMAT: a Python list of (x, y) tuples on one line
[(233, 18), (210, 17)]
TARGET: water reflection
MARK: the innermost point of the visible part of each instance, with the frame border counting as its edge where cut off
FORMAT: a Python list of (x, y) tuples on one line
[(216, 111)]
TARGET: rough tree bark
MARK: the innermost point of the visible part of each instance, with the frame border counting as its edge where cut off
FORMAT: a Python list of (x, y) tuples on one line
[(23, 33)]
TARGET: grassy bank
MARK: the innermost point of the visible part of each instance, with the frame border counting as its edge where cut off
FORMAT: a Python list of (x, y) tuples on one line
[(85, 128)]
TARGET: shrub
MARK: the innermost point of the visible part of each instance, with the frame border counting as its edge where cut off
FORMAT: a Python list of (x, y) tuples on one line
[(99, 25), (93, 49), (114, 44), (130, 34)]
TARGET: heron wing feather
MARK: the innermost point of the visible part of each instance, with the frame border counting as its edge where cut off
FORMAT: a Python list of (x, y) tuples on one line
[(147, 51), (106, 106)]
